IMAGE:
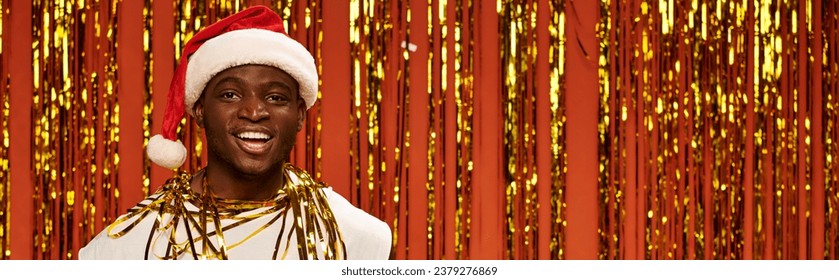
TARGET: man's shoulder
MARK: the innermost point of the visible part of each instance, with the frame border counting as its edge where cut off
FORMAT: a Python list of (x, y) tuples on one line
[(126, 236), (366, 236), (123, 239), (342, 208)]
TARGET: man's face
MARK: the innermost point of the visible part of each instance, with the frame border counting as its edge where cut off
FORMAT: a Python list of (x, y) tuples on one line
[(251, 115)]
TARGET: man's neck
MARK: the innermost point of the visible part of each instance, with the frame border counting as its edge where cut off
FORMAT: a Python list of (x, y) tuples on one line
[(228, 184)]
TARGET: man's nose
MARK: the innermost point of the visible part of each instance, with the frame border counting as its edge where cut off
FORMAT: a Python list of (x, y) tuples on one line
[(253, 109)]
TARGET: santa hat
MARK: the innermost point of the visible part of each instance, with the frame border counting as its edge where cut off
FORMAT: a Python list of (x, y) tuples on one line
[(252, 36)]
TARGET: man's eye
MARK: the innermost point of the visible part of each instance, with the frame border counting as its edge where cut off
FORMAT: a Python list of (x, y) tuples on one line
[(276, 98), (228, 95)]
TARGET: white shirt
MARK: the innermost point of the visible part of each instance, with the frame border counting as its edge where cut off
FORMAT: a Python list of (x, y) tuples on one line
[(364, 236)]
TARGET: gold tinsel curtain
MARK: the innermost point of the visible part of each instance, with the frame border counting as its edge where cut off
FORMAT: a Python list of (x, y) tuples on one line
[(534, 129)]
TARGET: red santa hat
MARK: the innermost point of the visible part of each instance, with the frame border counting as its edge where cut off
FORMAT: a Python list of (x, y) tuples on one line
[(252, 36)]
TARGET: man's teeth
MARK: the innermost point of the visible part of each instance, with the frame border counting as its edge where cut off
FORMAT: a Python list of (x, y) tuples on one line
[(253, 135)]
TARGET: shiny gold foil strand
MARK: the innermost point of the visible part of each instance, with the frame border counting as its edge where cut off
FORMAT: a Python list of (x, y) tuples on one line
[(831, 134), (764, 189), (823, 125), (45, 154), (689, 175), (371, 104), (365, 139), (771, 69), (314, 145), (86, 116), (556, 57), (430, 185), (650, 187), (767, 85), (767, 94), (789, 135), (796, 134), (653, 188), (79, 129), (110, 121), (464, 107), (699, 89), (736, 116), (792, 135), (83, 150), (376, 31), (529, 171), (358, 47), (455, 25), (517, 56), (5, 180), (457, 49), (518, 125), (387, 205), (803, 120), (680, 216), (706, 72), (638, 63), (701, 124), (685, 236), (106, 126), (148, 79), (469, 138), (531, 200), (672, 184), (771, 81), (38, 24), (809, 130), (604, 138), (508, 66), (440, 131), (403, 150)]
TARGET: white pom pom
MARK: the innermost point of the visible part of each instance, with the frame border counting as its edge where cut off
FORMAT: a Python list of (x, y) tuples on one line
[(165, 152)]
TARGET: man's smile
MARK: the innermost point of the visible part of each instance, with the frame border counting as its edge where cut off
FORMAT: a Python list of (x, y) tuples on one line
[(253, 141)]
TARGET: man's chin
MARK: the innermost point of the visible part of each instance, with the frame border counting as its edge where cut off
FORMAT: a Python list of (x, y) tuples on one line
[(259, 169)]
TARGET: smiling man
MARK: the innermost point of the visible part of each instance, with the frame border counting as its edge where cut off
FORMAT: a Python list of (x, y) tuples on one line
[(248, 85)]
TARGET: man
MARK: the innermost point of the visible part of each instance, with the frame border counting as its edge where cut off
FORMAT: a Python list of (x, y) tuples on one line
[(248, 85)]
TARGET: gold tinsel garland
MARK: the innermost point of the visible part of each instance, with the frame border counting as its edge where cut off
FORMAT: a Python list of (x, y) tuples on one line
[(313, 224)]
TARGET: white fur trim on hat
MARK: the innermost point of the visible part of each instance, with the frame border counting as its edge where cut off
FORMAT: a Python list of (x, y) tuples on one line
[(165, 152), (250, 46)]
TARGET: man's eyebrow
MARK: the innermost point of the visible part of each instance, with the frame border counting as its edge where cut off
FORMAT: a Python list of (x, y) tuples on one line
[(274, 84), (232, 79)]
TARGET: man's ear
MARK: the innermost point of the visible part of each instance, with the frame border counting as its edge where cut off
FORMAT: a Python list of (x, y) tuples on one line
[(301, 113), (198, 112)]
